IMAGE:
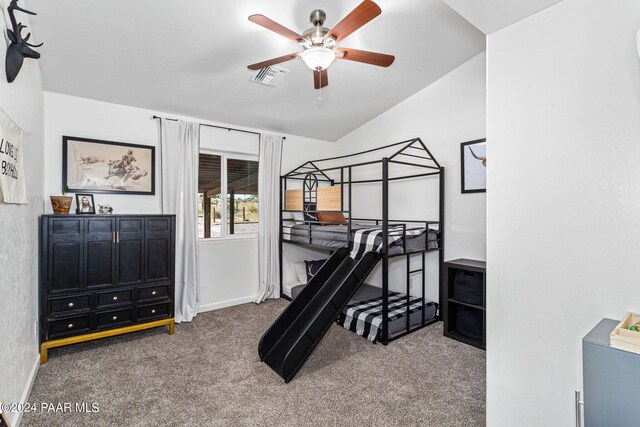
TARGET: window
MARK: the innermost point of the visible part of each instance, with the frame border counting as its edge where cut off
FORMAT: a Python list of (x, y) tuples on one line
[(227, 195), (209, 196)]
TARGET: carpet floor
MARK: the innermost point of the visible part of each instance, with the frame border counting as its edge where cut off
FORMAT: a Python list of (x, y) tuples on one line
[(209, 374)]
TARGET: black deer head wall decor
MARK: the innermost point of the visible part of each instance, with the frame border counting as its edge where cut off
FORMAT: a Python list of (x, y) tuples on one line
[(19, 48)]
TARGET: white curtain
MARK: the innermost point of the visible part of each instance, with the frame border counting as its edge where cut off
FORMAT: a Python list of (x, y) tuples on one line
[(269, 215), (180, 153)]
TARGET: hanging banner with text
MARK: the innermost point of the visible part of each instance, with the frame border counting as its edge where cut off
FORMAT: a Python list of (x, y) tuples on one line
[(12, 186)]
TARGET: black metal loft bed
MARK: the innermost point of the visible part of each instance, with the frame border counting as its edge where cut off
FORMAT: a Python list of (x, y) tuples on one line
[(409, 160)]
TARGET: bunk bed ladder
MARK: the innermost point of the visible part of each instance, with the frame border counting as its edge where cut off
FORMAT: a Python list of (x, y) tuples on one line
[(423, 272)]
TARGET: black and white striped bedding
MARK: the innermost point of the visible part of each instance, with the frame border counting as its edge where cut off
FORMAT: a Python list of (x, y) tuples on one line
[(335, 236), (365, 317), (370, 239)]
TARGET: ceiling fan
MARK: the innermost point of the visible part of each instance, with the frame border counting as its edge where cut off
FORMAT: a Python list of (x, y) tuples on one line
[(320, 43)]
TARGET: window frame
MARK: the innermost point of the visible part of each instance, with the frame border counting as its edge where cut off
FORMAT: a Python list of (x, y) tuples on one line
[(224, 155)]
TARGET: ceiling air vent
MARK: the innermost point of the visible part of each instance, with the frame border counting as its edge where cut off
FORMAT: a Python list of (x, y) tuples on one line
[(269, 76)]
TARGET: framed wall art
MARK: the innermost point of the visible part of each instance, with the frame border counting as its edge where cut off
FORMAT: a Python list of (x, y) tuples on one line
[(95, 166), (473, 162)]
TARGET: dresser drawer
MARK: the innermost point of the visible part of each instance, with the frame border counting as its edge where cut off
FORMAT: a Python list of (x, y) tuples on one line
[(153, 311), (106, 299), (114, 318), (64, 305), (69, 326), (151, 293)]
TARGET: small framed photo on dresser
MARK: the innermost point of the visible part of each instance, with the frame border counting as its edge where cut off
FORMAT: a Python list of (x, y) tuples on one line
[(85, 204)]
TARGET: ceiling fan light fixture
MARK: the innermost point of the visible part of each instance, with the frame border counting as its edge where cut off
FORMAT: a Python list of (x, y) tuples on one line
[(318, 57), (319, 44)]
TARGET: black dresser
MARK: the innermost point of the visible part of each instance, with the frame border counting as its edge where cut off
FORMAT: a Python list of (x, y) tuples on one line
[(104, 275)]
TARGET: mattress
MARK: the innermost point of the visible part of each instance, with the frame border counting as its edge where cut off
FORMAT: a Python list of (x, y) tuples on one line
[(335, 236), (368, 292)]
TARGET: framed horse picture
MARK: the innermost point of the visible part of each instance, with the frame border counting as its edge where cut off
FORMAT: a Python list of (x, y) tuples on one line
[(95, 166)]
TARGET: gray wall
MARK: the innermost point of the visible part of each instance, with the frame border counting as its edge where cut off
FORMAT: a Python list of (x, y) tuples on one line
[(23, 101)]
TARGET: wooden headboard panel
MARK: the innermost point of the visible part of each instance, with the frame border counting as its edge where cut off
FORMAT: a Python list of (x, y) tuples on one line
[(328, 199), (293, 200)]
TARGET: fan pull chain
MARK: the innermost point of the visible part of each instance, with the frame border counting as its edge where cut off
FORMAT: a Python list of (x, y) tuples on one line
[(320, 89)]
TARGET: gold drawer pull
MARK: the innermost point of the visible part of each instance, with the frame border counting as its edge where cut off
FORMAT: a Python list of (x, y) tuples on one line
[(153, 312), (70, 326), (153, 293), (70, 305), (114, 318), (115, 298)]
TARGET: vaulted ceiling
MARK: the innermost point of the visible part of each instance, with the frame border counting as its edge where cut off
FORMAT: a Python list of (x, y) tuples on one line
[(190, 57), (492, 15)]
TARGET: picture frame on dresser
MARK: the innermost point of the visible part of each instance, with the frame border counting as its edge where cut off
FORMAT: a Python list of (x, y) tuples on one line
[(85, 205), (108, 167)]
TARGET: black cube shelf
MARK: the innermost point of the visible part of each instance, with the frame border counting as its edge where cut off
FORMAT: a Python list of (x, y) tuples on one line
[(464, 313)]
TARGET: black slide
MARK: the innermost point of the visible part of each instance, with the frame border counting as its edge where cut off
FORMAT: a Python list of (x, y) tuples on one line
[(290, 340)]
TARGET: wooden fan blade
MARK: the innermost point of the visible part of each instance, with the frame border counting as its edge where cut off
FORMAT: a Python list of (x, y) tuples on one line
[(373, 58), (273, 61), (320, 79), (363, 13), (275, 27)]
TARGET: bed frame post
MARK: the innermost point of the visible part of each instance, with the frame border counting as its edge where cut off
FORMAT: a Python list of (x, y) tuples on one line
[(424, 274), (349, 224), (280, 244), (441, 254), (342, 189), (408, 290), (385, 251)]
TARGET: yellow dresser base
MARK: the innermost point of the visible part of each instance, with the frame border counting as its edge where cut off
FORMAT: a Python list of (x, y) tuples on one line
[(45, 346)]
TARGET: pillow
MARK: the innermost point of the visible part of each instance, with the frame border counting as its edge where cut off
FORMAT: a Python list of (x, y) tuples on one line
[(332, 217), (298, 217), (301, 272), (312, 267), (287, 215), (310, 216)]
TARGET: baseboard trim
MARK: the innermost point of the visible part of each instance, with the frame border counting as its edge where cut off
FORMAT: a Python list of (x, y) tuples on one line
[(224, 304), (16, 417)]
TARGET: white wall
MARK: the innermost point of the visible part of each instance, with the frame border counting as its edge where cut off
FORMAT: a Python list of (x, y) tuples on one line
[(23, 101), (86, 118), (564, 202), (444, 114), (228, 269)]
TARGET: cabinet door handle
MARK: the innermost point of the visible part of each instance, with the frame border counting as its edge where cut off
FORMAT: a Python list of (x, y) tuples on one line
[(579, 403), (153, 293), (70, 326), (70, 305), (114, 318), (113, 236), (153, 312), (117, 237)]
